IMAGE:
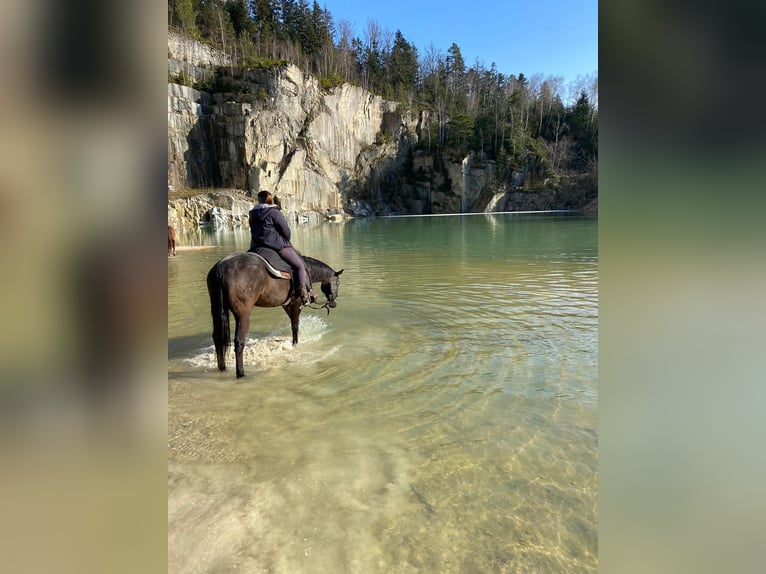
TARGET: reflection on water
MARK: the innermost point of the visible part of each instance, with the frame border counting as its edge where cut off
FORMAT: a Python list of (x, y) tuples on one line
[(441, 419)]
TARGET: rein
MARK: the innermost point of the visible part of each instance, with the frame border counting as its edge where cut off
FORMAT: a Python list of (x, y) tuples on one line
[(318, 307)]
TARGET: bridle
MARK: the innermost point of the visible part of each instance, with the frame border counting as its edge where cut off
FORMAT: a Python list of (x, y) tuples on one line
[(330, 299)]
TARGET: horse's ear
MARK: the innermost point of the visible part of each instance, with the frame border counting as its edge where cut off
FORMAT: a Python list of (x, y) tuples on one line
[(339, 272)]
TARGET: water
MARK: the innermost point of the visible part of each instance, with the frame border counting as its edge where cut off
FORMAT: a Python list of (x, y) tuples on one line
[(441, 419)]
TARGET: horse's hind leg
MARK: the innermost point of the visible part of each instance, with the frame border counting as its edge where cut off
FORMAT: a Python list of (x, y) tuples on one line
[(220, 353), (220, 315), (240, 337)]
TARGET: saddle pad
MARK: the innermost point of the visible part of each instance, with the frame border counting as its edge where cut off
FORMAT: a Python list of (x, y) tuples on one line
[(273, 258)]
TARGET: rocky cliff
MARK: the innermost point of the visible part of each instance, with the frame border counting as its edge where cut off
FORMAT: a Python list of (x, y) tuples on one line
[(322, 151)]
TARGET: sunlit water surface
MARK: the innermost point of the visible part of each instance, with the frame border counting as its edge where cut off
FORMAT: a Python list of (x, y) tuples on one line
[(441, 419)]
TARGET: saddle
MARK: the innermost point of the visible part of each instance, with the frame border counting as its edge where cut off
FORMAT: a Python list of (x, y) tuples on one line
[(276, 266)]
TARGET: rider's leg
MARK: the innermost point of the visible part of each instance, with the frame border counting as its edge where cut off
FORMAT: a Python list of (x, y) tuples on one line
[(302, 282)]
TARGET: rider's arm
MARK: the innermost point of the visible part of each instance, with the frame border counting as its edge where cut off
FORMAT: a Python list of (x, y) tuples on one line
[(280, 224)]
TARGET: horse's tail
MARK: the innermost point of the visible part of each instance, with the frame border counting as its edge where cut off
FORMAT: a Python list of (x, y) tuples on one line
[(220, 312)]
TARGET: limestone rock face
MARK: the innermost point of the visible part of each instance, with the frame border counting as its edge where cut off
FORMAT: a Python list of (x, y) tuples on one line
[(190, 153), (197, 53), (276, 129), (193, 59)]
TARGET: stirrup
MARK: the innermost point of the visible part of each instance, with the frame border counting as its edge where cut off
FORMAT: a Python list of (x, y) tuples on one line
[(303, 301)]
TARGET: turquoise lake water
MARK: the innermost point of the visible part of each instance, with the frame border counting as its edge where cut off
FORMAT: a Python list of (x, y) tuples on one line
[(443, 418)]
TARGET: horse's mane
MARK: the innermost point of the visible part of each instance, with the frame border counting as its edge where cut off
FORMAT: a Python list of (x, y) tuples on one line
[(317, 269)]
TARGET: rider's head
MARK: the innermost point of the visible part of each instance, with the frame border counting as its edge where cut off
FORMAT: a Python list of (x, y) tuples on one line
[(263, 196)]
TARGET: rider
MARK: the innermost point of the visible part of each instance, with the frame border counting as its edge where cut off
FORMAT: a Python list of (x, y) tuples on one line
[(269, 228)]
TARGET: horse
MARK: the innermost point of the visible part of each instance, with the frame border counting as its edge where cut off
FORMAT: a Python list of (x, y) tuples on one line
[(241, 281), (171, 240)]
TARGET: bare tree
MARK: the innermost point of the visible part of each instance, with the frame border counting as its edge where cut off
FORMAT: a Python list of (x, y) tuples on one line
[(372, 38), (531, 96), (593, 95), (345, 33), (429, 62), (428, 73)]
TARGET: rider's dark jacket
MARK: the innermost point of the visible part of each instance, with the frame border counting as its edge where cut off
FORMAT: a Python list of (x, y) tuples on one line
[(268, 227)]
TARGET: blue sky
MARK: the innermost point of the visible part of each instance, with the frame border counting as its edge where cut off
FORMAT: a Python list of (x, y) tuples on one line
[(548, 37)]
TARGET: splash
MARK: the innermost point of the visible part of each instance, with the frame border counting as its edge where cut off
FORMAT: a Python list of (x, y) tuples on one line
[(274, 349)]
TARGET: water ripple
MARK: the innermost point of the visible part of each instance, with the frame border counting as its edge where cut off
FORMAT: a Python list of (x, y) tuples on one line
[(441, 419)]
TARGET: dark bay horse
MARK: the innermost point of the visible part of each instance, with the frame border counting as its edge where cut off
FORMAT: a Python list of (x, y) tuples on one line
[(241, 281)]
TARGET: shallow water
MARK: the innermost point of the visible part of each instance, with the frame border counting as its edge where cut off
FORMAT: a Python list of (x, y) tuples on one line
[(441, 419)]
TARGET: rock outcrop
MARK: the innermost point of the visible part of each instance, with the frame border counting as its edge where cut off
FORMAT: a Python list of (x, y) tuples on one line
[(220, 210), (228, 209), (191, 60), (276, 129)]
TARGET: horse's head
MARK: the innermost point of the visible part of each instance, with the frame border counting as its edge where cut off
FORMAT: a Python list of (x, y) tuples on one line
[(330, 288)]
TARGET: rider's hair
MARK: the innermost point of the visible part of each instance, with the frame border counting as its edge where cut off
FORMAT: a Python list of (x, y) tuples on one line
[(262, 195)]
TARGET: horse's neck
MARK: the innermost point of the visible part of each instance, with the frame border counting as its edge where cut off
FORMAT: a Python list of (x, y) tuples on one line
[(317, 270)]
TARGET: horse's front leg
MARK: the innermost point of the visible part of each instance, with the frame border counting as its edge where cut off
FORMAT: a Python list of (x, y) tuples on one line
[(243, 326), (293, 310)]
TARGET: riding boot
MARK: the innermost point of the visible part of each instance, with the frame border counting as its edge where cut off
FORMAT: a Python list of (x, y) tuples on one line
[(302, 294)]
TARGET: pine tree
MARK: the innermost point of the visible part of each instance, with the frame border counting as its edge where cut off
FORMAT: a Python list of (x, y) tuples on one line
[(185, 16), (403, 67), (583, 129)]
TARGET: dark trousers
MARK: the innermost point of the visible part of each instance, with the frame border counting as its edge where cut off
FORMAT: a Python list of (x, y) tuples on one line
[(299, 268)]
